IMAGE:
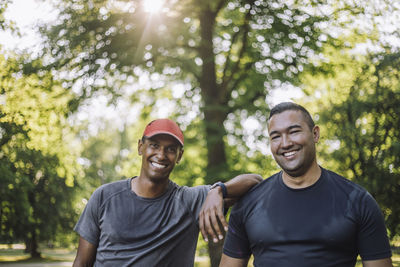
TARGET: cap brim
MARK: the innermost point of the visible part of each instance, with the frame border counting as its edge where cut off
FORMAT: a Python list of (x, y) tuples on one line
[(168, 133)]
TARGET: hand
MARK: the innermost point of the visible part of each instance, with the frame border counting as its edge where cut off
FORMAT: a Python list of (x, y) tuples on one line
[(211, 217)]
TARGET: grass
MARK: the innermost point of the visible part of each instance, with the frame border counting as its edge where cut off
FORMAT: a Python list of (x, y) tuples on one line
[(13, 254), (48, 255), (10, 255)]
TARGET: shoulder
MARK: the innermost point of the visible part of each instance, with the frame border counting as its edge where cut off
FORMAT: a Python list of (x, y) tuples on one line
[(263, 187), (348, 190), (106, 191), (190, 199), (343, 184), (258, 192), (187, 193)]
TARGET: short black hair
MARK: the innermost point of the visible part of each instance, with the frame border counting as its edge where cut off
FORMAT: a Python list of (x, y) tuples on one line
[(284, 106)]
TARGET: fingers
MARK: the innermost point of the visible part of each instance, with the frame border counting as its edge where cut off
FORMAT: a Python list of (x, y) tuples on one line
[(202, 227), (206, 226), (222, 221), (212, 224)]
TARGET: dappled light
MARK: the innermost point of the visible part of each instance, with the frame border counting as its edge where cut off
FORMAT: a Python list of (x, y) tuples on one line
[(79, 81)]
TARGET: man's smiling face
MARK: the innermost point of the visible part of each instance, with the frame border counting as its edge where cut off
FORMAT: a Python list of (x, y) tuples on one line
[(292, 142), (159, 154)]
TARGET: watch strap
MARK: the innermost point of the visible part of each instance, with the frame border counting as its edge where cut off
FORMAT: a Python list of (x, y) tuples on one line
[(223, 188)]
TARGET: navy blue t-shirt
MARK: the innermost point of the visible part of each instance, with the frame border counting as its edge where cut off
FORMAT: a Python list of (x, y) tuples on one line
[(326, 224)]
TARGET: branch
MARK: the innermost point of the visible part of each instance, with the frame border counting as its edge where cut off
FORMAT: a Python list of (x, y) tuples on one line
[(220, 5), (226, 80)]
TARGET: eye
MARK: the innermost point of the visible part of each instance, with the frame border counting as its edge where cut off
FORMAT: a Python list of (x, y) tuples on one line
[(153, 145), (274, 137), (172, 149)]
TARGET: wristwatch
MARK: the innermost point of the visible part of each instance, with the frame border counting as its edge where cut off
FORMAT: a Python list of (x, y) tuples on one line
[(223, 188)]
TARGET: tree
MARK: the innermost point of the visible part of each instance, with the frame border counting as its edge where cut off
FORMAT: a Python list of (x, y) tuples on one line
[(359, 99), (37, 169), (232, 53), (3, 22)]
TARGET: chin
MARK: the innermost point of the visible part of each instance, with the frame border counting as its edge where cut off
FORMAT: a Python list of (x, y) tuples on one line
[(159, 177), (294, 172)]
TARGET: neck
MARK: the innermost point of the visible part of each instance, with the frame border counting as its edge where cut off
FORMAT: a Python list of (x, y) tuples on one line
[(148, 189), (309, 178)]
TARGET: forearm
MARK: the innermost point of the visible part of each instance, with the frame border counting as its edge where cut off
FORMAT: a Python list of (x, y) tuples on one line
[(85, 255), (227, 261), (387, 262), (239, 185), (78, 263)]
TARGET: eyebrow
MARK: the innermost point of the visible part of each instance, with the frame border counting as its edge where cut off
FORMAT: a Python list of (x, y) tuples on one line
[(288, 128), (175, 144)]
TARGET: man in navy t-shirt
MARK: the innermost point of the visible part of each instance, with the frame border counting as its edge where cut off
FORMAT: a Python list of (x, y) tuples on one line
[(304, 215)]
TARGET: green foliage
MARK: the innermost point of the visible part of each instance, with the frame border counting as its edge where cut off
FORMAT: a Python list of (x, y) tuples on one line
[(230, 53), (191, 171), (4, 24), (107, 156), (233, 50), (37, 167), (358, 110)]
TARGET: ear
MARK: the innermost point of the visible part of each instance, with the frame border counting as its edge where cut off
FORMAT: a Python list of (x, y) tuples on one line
[(179, 155), (316, 133), (140, 146)]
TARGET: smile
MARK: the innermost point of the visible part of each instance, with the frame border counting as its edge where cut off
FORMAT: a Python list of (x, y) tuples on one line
[(158, 165), (289, 154)]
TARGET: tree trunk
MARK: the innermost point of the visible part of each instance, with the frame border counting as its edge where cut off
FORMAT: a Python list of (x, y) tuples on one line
[(216, 168), (31, 241), (215, 252), (214, 114), (31, 246)]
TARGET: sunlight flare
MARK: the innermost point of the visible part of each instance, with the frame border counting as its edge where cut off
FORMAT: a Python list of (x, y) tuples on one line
[(153, 6)]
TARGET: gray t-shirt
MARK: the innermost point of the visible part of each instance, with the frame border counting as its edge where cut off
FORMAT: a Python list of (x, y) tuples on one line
[(133, 231)]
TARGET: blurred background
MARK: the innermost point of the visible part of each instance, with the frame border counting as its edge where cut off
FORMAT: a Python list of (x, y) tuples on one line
[(80, 79)]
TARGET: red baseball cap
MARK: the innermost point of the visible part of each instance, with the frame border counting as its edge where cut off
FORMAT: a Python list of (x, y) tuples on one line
[(164, 126)]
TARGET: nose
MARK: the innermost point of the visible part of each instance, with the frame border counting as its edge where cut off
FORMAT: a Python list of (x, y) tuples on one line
[(286, 141), (161, 153)]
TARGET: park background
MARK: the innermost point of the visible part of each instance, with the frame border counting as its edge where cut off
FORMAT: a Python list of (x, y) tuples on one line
[(79, 80)]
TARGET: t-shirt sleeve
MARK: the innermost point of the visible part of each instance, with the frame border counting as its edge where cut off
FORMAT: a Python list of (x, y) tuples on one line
[(372, 240), (88, 224), (194, 197), (237, 244)]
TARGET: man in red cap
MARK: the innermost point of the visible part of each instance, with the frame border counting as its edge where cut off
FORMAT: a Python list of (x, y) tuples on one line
[(149, 220)]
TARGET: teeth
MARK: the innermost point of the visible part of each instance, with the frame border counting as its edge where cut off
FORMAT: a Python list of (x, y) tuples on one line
[(158, 165), (288, 154)]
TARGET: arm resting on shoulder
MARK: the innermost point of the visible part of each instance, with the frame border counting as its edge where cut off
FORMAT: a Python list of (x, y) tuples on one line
[(239, 185), (211, 216), (387, 262), (85, 255), (227, 261)]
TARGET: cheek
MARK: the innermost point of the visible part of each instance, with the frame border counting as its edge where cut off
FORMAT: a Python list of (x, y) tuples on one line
[(274, 147), (147, 152), (173, 157)]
